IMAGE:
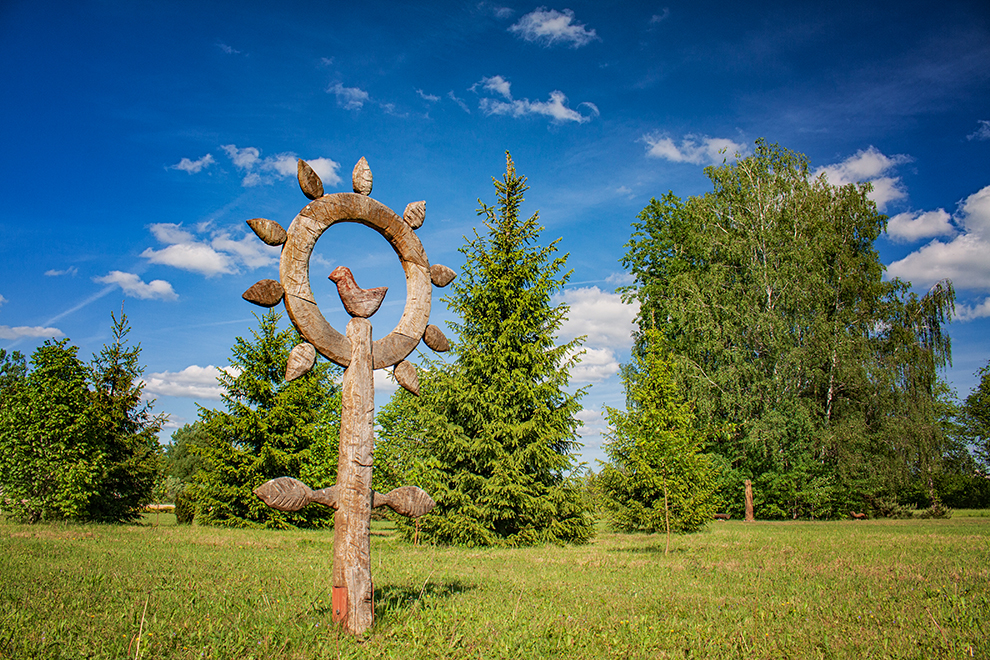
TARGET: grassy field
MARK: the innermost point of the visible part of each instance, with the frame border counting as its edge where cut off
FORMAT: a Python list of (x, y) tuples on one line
[(878, 589)]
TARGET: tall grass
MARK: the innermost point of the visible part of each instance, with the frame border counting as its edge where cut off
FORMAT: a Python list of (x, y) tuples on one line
[(884, 589)]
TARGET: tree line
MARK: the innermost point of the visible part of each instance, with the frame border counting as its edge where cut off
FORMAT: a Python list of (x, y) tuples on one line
[(769, 347)]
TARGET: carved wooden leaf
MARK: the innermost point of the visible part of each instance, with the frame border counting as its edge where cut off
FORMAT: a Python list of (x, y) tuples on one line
[(405, 373), (361, 177), (265, 293), (414, 214), (301, 360), (435, 339), (441, 275), (309, 180), (268, 230), (284, 494), (410, 501)]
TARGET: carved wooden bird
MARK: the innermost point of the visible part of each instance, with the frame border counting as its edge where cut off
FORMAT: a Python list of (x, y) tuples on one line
[(357, 301)]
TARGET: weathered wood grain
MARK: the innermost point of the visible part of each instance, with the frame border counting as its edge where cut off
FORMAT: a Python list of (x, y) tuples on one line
[(357, 301), (268, 231), (303, 233), (288, 494), (415, 214), (749, 502), (309, 180), (301, 359), (435, 339), (441, 275), (264, 293), (352, 522), (405, 374), (409, 501), (361, 178)]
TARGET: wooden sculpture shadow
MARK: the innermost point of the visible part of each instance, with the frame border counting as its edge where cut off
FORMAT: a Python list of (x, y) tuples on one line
[(395, 599)]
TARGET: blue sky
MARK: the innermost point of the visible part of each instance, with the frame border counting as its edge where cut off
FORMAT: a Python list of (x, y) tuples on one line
[(138, 137)]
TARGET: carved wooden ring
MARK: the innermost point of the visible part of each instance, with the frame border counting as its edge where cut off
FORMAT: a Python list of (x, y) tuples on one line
[(306, 229)]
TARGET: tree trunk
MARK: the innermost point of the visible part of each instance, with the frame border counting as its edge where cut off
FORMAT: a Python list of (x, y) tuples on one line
[(749, 502), (353, 599)]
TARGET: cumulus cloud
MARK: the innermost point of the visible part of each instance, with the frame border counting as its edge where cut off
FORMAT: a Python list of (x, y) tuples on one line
[(349, 98), (869, 166), (258, 170), (972, 312), (193, 382), (963, 258), (552, 27), (599, 315), (593, 422), (134, 286), (594, 365), (982, 131), (384, 382), (556, 108), (193, 166), (216, 253), (17, 332), (910, 227), (694, 149), (71, 270)]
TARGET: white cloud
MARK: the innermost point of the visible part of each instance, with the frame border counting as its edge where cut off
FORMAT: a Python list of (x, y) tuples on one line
[(963, 259), (170, 233), (458, 101), (258, 170), (982, 132), (227, 49), (594, 422), (555, 108), (972, 312), (427, 97), (384, 381), (552, 27), (661, 17), (349, 98), (327, 169), (195, 257), (3, 300), (497, 85), (132, 285), (600, 315), (910, 227), (71, 270), (621, 279), (594, 365), (869, 166), (243, 158), (194, 382), (193, 166), (7, 332), (694, 149), (250, 251)]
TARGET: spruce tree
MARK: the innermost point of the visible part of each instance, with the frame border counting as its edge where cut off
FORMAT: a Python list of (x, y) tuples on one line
[(270, 429), (495, 429)]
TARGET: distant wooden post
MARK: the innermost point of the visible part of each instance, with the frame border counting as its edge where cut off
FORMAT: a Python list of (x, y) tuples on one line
[(352, 497), (749, 502)]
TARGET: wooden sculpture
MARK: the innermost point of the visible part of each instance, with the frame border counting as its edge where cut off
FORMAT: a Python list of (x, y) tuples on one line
[(351, 497)]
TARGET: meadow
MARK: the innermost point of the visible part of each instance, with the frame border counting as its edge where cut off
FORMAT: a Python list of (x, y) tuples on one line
[(849, 589)]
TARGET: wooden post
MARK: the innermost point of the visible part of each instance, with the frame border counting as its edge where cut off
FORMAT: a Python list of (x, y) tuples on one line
[(749, 502), (352, 522)]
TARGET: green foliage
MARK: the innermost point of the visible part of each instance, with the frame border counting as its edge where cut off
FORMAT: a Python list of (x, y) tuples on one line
[(182, 459), (185, 507), (127, 431), (491, 435), (69, 451), (13, 369), (658, 478), (269, 429), (810, 374), (976, 416)]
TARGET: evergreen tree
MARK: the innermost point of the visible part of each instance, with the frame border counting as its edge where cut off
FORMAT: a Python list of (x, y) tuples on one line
[(269, 429), (493, 431), (657, 478), (812, 374), (126, 430)]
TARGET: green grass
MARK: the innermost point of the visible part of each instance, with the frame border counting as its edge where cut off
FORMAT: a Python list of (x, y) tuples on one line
[(881, 589)]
